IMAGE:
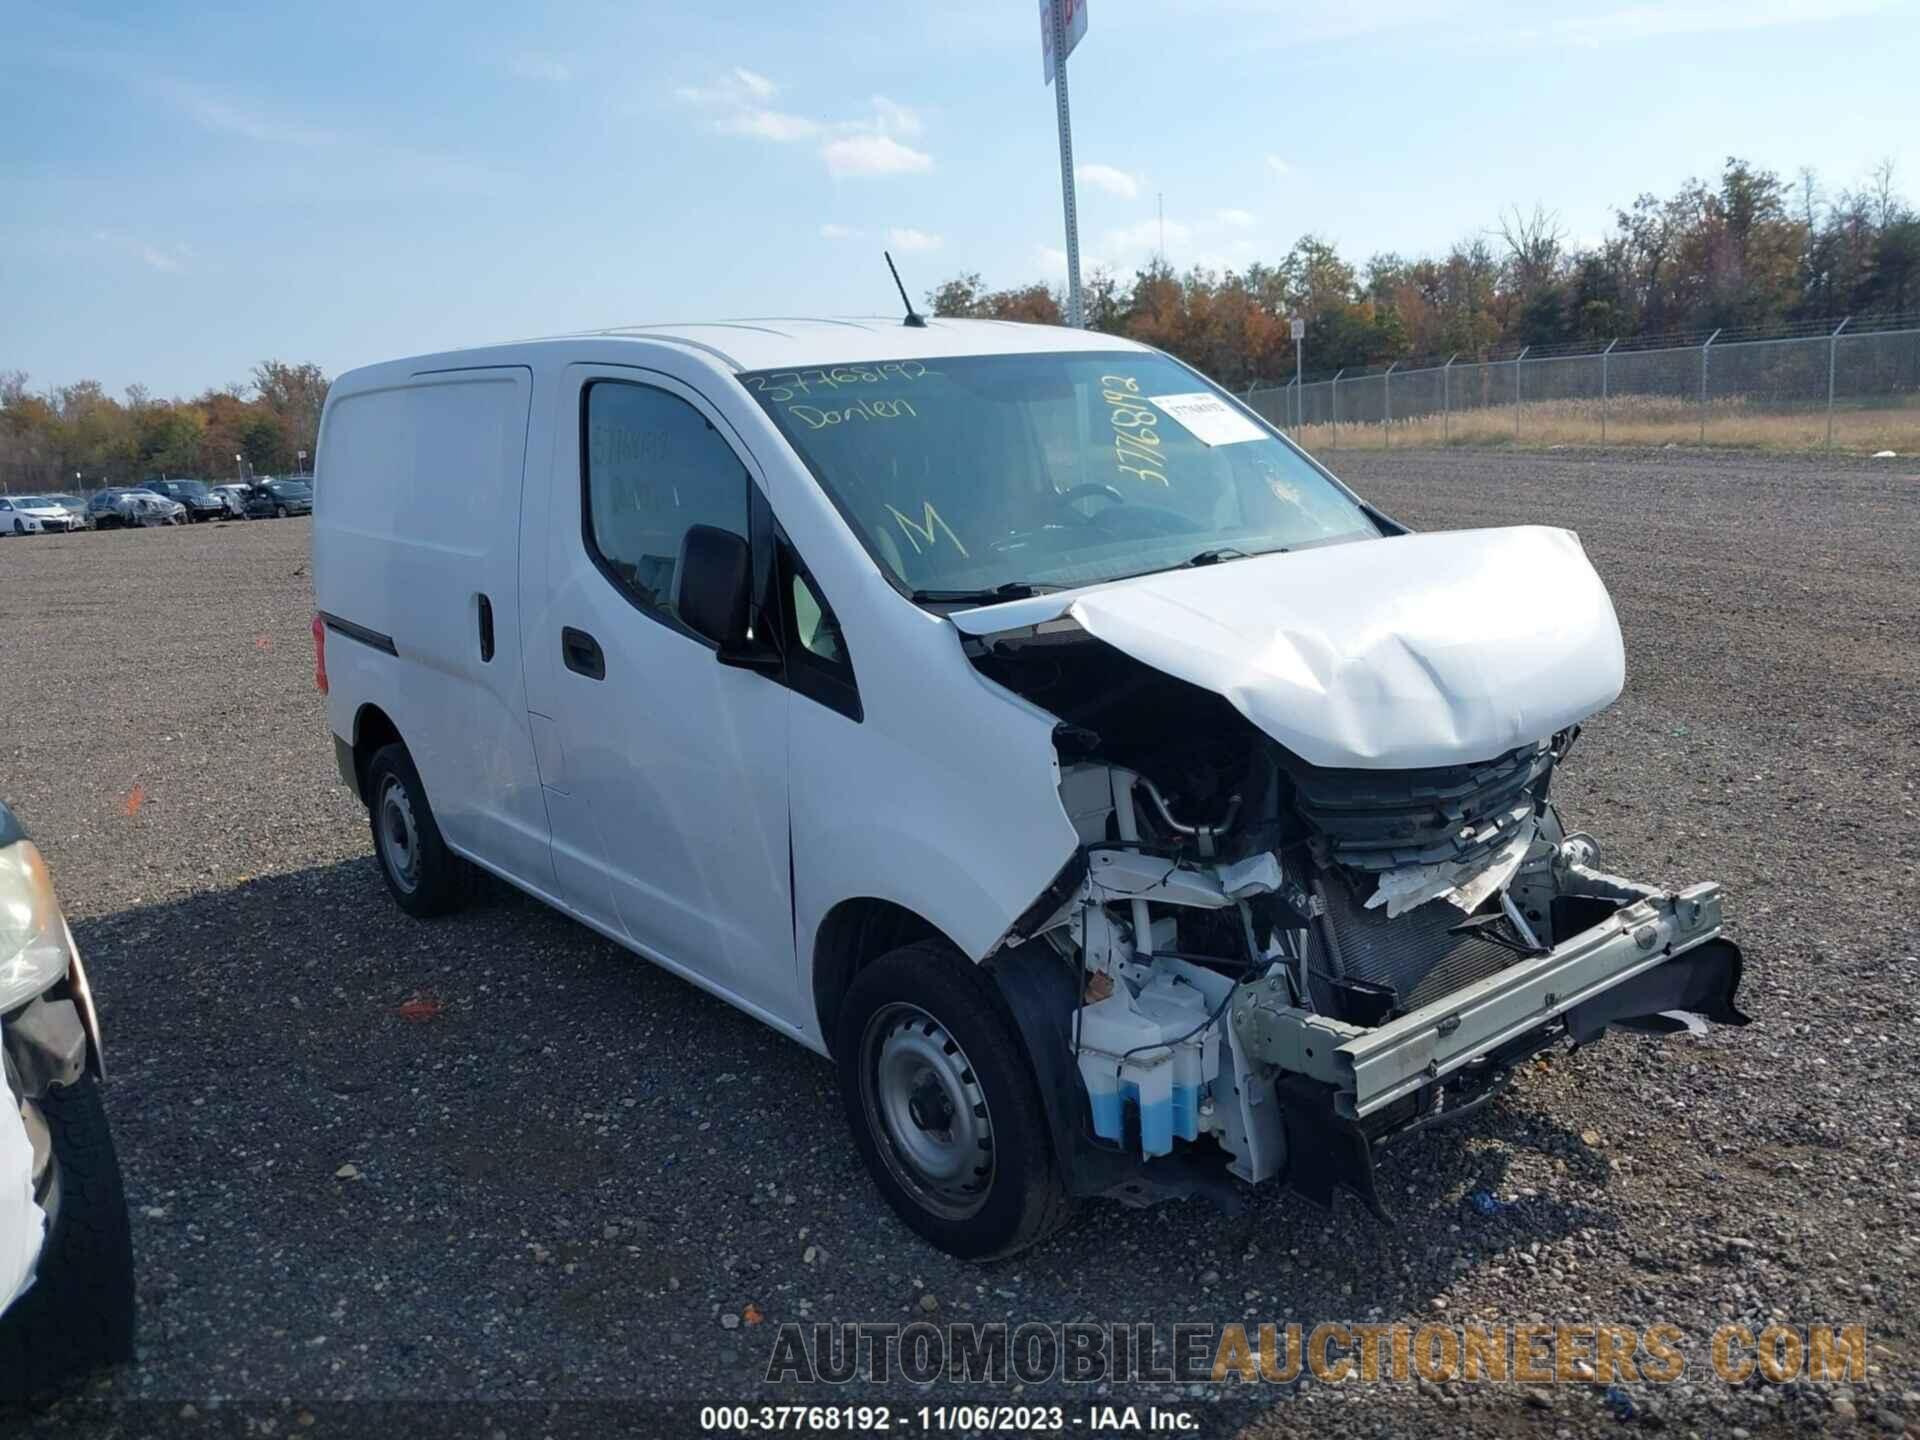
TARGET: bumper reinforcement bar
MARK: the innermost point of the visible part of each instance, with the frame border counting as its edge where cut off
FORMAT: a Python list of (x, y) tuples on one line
[(1592, 978)]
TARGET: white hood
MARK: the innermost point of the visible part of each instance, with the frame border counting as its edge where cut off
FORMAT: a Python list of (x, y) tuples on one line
[(1399, 653)]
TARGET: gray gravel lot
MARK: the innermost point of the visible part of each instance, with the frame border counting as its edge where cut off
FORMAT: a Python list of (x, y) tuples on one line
[(562, 1181)]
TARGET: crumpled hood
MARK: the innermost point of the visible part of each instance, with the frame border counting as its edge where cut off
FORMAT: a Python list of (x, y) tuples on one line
[(1398, 653)]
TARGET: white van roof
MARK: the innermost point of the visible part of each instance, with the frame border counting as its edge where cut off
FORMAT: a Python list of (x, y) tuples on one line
[(776, 343)]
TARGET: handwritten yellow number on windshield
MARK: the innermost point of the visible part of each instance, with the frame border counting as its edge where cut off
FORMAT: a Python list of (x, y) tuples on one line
[(1136, 438)]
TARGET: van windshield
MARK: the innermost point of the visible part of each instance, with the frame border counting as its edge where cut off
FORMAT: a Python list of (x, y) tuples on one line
[(972, 474)]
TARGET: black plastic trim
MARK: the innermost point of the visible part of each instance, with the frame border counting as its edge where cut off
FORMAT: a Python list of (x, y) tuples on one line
[(362, 633), (803, 672)]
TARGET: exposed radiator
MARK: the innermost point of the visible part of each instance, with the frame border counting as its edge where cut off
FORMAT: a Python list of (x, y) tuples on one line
[(1413, 954)]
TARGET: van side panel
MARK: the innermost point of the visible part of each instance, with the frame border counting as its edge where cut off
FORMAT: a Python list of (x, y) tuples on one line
[(416, 540)]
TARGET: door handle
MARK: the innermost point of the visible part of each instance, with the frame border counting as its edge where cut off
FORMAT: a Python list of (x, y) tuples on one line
[(486, 630), (582, 653)]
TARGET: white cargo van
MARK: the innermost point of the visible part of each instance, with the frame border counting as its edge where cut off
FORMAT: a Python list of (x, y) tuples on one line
[(1126, 806)]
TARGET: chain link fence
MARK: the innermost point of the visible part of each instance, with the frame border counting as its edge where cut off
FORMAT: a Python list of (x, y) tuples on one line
[(1855, 386)]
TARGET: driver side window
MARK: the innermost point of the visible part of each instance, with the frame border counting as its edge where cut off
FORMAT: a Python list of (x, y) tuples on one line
[(654, 467)]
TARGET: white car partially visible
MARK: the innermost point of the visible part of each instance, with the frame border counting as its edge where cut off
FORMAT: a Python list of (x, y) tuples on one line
[(66, 1250), (34, 515), (22, 1222)]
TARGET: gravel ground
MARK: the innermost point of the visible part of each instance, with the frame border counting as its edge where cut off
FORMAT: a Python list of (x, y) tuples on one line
[(495, 1160)]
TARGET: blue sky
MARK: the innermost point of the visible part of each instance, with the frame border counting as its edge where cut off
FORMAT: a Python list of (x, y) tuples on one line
[(191, 189)]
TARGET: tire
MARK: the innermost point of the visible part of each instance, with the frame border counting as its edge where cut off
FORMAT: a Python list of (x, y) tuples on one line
[(279, 512), (424, 877), (80, 1312), (923, 1039)]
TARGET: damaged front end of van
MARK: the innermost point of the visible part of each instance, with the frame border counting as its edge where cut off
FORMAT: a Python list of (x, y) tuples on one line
[(1322, 895)]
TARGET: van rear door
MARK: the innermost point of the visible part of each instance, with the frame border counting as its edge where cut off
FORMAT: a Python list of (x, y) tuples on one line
[(417, 551)]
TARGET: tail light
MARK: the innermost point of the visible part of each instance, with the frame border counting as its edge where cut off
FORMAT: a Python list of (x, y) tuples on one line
[(320, 654)]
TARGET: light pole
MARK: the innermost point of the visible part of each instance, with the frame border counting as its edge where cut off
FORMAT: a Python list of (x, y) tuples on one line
[(238, 473), (1063, 23), (1298, 327)]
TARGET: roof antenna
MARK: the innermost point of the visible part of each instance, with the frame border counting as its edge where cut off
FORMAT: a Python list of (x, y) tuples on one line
[(913, 321)]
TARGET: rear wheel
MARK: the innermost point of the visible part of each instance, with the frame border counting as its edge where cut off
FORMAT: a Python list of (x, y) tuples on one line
[(79, 1313), (944, 1106), (424, 876)]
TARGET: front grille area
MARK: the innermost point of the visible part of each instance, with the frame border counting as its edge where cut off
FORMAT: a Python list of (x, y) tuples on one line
[(1414, 954), (1377, 820)]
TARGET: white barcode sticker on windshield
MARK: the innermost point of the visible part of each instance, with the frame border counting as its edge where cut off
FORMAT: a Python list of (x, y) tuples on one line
[(1208, 418)]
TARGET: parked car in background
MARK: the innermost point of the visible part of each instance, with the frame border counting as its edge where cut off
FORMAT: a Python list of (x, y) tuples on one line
[(33, 515), (195, 495), (279, 499), (66, 1248), (121, 507), (76, 510), (233, 498)]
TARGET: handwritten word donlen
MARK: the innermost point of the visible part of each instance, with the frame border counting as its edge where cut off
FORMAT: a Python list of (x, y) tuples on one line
[(815, 418)]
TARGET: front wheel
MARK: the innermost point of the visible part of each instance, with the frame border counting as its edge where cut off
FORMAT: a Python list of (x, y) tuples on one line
[(944, 1105), (279, 512), (425, 877), (79, 1313)]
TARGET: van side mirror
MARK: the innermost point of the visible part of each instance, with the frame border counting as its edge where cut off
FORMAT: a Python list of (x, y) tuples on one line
[(713, 593)]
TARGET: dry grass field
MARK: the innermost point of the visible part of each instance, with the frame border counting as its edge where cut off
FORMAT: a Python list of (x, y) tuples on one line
[(1636, 420)]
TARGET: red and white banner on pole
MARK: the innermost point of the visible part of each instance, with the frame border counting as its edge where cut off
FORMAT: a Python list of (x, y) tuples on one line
[(1073, 25)]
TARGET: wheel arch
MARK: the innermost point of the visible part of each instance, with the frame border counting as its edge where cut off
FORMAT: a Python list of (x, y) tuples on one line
[(373, 729), (852, 935)]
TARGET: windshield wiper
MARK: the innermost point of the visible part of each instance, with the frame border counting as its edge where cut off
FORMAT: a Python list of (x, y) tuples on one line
[(1225, 552), (1011, 590)]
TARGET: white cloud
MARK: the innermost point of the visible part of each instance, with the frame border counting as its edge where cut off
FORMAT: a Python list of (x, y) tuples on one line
[(170, 260), (533, 66), (831, 231), (212, 112), (1142, 239), (868, 156), (1222, 239), (754, 83), (1110, 179), (739, 86), (907, 240), (1053, 260), (371, 157), (1704, 17), (774, 125), (868, 146), (892, 118), (1278, 168)]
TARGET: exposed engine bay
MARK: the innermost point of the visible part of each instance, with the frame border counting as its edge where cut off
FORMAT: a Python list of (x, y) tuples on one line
[(1292, 961)]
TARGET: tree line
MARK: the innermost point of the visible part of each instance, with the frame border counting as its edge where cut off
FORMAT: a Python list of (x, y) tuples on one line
[(48, 438), (1744, 252)]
